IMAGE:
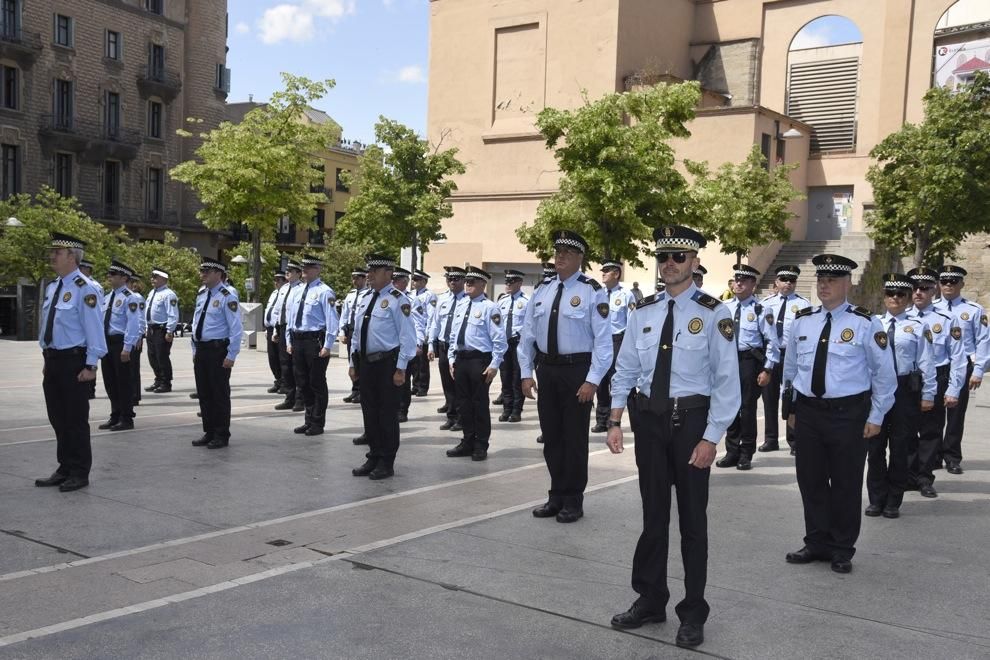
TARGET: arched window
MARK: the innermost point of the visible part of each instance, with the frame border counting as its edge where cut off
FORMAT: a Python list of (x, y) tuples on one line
[(962, 43), (823, 81)]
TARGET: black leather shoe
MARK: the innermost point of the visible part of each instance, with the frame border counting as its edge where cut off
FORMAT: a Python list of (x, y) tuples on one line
[(457, 427), (793, 452), (54, 480), (299, 407), (360, 440), (539, 439), (727, 461), (927, 490), (891, 512), (599, 428), (636, 616), (123, 426), (286, 405), (162, 389), (442, 409), (356, 399), (548, 510), (569, 514), (217, 443), (842, 565), (274, 389), (72, 483), (873, 511), (804, 556), (446, 425), (314, 430), (136, 402), (107, 425), (403, 417), (745, 463), (366, 468), (202, 442), (460, 450), (504, 417), (381, 472), (953, 468), (479, 454), (151, 388), (301, 429), (690, 635), (769, 446), (498, 401), (349, 398), (515, 417), (421, 393), (193, 395)]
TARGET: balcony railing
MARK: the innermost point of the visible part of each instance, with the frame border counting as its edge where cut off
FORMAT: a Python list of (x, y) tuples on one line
[(159, 81), (130, 215), (89, 130), (20, 37)]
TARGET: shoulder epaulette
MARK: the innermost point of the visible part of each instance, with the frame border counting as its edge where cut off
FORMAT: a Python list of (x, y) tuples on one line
[(127, 293), (80, 281), (758, 308), (705, 300), (502, 295), (942, 314), (807, 311), (224, 291), (649, 300), (587, 280), (798, 295), (861, 311), (396, 293)]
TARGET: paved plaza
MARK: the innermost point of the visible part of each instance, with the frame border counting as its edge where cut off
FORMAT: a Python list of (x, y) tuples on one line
[(271, 549)]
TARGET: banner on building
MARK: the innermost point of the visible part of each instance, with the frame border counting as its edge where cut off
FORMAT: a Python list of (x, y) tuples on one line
[(957, 63)]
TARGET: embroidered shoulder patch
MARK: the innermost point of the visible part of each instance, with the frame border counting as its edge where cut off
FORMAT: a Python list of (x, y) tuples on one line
[(497, 318), (769, 318), (725, 329), (132, 306), (232, 305), (881, 339), (174, 302), (928, 336), (405, 309), (956, 333), (90, 300), (602, 309), (983, 320)]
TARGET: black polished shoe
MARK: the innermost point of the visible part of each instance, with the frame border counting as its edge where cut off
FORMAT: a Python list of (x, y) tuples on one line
[(151, 388), (54, 480), (274, 389), (299, 407), (539, 439), (421, 393), (515, 417), (194, 395), (928, 490), (745, 463), (314, 430), (840, 565), (446, 425), (356, 399), (769, 446), (569, 514), (805, 556), (218, 443), (203, 441), (136, 402), (123, 426), (953, 468), (504, 417), (403, 417), (599, 428), (366, 468), (479, 454), (286, 405), (442, 409), (690, 635), (360, 440), (636, 616), (727, 461), (349, 398), (793, 452), (891, 512), (162, 389), (457, 427), (873, 511), (498, 401), (301, 429), (548, 510), (107, 425), (459, 451), (381, 472), (73, 483)]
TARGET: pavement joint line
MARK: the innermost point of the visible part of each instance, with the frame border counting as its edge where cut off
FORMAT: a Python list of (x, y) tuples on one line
[(275, 521), (189, 374), (290, 568), (59, 548)]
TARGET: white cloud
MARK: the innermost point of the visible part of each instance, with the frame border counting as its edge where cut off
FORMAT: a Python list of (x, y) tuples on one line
[(387, 3), (412, 74), (297, 21), (811, 38), (242, 28)]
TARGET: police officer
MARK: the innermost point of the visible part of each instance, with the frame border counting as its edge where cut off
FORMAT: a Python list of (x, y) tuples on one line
[(549, 272), (428, 301), (400, 280), (216, 341), (972, 320), (512, 306), (312, 325), (780, 309), (384, 342), (909, 340), (757, 354), (86, 268), (122, 324), (161, 316), (566, 341), (475, 356), (842, 373), (440, 337), (271, 316), (137, 288), (286, 301), (950, 362), (72, 341), (680, 354), (698, 276), (620, 303), (359, 278)]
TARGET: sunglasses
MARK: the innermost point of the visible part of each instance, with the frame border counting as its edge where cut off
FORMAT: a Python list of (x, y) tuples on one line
[(678, 257), (787, 278), (924, 287), (472, 280), (454, 278), (950, 281), (895, 293)]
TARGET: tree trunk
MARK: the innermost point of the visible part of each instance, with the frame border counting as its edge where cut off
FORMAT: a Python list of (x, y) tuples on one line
[(255, 263), (921, 244), (413, 261)]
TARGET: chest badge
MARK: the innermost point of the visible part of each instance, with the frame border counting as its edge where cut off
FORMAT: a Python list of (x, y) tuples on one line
[(118, 303), (794, 308), (909, 329), (751, 316), (847, 335), (520, 305), (964, 316), (695, 325), (384, 304), (937, 328), (477, 315), (575, 301), (216, 303), (618, 302), (67, 297)]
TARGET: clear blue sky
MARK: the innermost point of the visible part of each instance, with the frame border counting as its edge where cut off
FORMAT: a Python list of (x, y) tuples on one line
[(376, 50)]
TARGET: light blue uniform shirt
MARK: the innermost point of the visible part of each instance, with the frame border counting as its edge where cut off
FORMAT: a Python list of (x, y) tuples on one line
[(945, 349), (287, 290), (125, 317), (78, 320), (270, 308), (858, 357), (319, 312), (620, 303), (582, 325), (514, 304), (223, 318), (348, 310), (703, 360), (484, 332), (418, 314), (445, 307), (771, 314), (143, 309), (429, 300), (912, 349), (164, 308), (390, 325), (973, 322), (754, 331)]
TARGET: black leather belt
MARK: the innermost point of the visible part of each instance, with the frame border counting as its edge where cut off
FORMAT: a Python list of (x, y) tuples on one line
[(660, 406), (474, 355), (156, 326), (747, 353), (560, 360), (309, 334), (115, 338), (212, 343), (381, 355), (836, 403), (63, 352)]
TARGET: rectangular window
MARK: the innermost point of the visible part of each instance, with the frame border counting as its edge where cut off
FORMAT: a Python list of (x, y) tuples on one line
[(765, 150), (111, 188), (155, 6), (222, 81), (63, 174), (113, 46), (112, 121), (10, 18), (316, 235), (156, 62), (154, 197), (781, 151), (154, 119), (63, 104), (10, 90), (341, 187), (10, 163), (63, 30)]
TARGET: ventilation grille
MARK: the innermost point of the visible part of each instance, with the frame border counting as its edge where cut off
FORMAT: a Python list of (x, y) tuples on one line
[(823, 94)]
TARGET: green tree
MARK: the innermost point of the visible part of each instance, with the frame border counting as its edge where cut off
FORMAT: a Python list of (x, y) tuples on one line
[(239, 273), (261, 170), (931, 181), (340, 258), (743, 205), (619, 178), (181, 263), (403, 185)]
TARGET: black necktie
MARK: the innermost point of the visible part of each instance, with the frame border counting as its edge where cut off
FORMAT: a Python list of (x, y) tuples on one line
[(50, 322), (780, 319), (150, 300), (268, 316), (890, 340), (508, 320), (357, 294), (106, 316), (366, 321), (450, 321), (552, 329), (660, 387), (285, 301), (302, 301), (736, 320), (821, 356), (202, 317), (463, 331)]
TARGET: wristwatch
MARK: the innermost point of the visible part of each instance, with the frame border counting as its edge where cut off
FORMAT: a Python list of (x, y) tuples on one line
[(614, 424)]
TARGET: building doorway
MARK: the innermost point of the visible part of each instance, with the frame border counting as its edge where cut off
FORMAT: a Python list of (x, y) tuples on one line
[(829, 212)]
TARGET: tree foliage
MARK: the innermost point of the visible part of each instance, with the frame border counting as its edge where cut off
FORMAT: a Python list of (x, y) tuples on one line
[(744, 205), (619, 179), (931, 181), (238, 273), (181, 263), (262, 169), (403, 185), (340, 258)]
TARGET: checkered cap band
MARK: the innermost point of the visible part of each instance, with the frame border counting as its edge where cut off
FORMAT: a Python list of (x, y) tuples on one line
[(210, 263), (85, 263), (311, 261), (924, 277), (677, 244), (834, 268), (896, 284), (358, 271), (479, 274), (122, 270), (745, 273), (381, 262), (60, 240), (611, 264), (952, 274), (785, 273), (420, 274), (293, 265), (569, 242)]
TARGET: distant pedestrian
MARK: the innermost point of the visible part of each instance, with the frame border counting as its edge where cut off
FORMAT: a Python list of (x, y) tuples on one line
[(162, 316)]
